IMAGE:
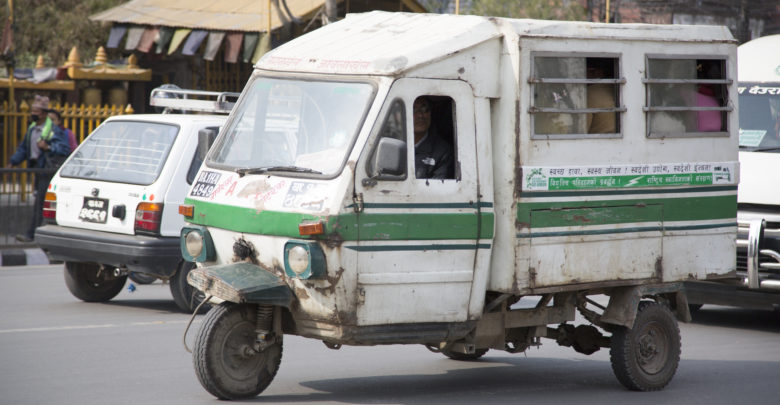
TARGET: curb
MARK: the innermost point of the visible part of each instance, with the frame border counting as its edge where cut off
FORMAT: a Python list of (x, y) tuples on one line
[(23, 257)]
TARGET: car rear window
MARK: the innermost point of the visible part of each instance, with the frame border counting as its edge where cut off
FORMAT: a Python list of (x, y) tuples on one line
[(123, 151)]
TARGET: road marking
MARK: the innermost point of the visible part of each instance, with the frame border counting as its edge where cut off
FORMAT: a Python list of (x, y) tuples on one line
[(106, 325)]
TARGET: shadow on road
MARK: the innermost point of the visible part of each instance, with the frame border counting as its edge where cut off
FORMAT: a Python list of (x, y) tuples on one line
[(518, 379), (740, 318)]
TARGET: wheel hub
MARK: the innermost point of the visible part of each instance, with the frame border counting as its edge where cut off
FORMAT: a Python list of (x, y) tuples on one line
[(651, 355)]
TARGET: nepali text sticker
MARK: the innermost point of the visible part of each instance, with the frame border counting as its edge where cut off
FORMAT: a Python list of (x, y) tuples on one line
[(205, 184)]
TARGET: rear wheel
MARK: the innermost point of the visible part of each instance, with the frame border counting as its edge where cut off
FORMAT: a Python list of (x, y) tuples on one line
[(228, 361), (645, 357), (92, 283), (463, 356), (186, 297)]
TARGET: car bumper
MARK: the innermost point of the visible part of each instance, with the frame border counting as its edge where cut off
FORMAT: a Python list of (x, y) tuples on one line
[(147, 254)]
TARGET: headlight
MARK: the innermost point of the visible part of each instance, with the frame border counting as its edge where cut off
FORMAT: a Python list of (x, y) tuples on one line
[(193, 242), (196, 244), (298, 259), (304, 260)]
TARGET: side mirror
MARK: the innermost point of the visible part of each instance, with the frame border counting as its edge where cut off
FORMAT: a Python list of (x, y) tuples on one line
[(389, 161), (206, 137)]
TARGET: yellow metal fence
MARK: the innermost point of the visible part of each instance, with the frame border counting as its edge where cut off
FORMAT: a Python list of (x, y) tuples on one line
[(79, 118)]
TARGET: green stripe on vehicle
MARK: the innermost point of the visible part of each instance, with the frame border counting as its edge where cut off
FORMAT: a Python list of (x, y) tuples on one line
[(589, 193), (417, 248), (401, 226), (604, 212), (594, 232)]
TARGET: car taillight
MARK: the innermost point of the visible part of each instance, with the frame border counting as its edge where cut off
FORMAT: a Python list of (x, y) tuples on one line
[(147, 218), (50, 206)]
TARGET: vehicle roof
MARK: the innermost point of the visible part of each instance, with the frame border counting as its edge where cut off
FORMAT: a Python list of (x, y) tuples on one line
[(759, 60), (385, 43), (169, 118)]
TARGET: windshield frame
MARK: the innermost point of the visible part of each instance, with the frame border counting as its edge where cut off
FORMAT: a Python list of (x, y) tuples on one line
[(303, 77), (768, 90)]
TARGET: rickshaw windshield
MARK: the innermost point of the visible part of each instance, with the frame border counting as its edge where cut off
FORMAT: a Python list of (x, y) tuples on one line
[(759, 117), (293, 126)]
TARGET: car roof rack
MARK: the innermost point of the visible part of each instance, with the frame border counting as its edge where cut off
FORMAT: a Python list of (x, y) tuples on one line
[(193, 100)]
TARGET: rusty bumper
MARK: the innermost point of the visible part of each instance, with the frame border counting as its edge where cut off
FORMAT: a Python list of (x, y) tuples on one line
[(241, 283)]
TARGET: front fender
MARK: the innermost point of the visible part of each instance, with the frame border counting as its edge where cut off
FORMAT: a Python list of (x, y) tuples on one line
[(241, 283)]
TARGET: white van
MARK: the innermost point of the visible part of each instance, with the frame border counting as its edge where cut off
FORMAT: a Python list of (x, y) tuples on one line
[(112, 208), (400, 178), (756, 283)]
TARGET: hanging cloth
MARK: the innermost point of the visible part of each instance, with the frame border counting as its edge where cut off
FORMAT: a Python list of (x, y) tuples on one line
[(263, 46), (147, 39), (164, 38), (133, 38), (193, 42), (250, 42), (178, 38), (233, 46), (213, 44), (116, 35)]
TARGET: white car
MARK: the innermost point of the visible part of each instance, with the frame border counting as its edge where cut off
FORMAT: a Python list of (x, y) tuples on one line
[(112, 208)]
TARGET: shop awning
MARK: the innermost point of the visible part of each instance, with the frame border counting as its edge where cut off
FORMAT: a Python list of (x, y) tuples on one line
[(240, 26), (212, 15)]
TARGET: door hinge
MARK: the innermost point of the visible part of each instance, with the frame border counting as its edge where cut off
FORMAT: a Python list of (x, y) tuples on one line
[(361, 296), (357, 200)]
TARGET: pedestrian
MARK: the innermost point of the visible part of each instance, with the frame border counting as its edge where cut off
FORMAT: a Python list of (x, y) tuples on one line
[(56, 119), (44, 146)]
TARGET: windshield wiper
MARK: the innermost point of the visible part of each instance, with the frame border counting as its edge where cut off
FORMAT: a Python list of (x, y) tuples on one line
[(259, 170)]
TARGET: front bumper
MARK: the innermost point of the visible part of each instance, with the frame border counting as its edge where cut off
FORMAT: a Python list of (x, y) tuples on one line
[(146, 254)]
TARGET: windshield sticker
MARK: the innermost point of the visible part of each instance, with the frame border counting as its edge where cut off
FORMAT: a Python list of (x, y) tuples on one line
[(304, 195), (751, 137), (261, 190), (628, 176), (204, 186), (759, 90)]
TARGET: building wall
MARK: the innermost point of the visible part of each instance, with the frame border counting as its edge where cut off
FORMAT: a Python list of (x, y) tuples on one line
[(747, 19)]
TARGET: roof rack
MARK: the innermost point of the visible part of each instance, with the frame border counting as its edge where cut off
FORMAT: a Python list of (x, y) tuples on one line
[(193, 100)]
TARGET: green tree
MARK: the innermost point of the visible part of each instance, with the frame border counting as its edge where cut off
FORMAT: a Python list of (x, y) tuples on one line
[(539, 9), (52, 27)]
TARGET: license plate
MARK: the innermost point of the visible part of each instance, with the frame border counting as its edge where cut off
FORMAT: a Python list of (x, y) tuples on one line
[(94, 210)]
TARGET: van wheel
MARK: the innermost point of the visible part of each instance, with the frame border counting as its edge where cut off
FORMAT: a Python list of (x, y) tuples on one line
[(186, 297), (645, 357), (463, 356), (88, 282), (225, 356), (141, 278)]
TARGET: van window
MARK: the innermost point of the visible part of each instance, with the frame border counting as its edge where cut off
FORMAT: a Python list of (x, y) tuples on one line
[(434, 136), (686, 97), (575, 97), (123, 151)]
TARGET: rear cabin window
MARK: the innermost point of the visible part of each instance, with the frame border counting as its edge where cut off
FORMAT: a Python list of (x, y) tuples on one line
[(124, 152), (686, 97), (576, 97)]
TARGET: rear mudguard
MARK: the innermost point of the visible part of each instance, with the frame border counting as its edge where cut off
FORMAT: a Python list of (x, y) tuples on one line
[(241, 283)]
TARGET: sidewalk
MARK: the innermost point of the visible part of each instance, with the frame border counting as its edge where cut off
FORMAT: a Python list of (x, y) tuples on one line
[(29, 256)]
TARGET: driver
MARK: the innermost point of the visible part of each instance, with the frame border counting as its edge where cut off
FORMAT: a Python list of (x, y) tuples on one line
[(433, 156)]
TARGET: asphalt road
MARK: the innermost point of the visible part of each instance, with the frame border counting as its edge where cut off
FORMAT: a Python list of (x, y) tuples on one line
[(55, 349)]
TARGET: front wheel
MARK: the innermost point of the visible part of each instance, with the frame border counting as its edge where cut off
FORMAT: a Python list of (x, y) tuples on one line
[(92, 282), (228, 362), (645, 357), (186, 297)]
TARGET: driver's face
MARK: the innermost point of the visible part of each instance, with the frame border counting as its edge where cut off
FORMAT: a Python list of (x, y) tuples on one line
[(422, 115)]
